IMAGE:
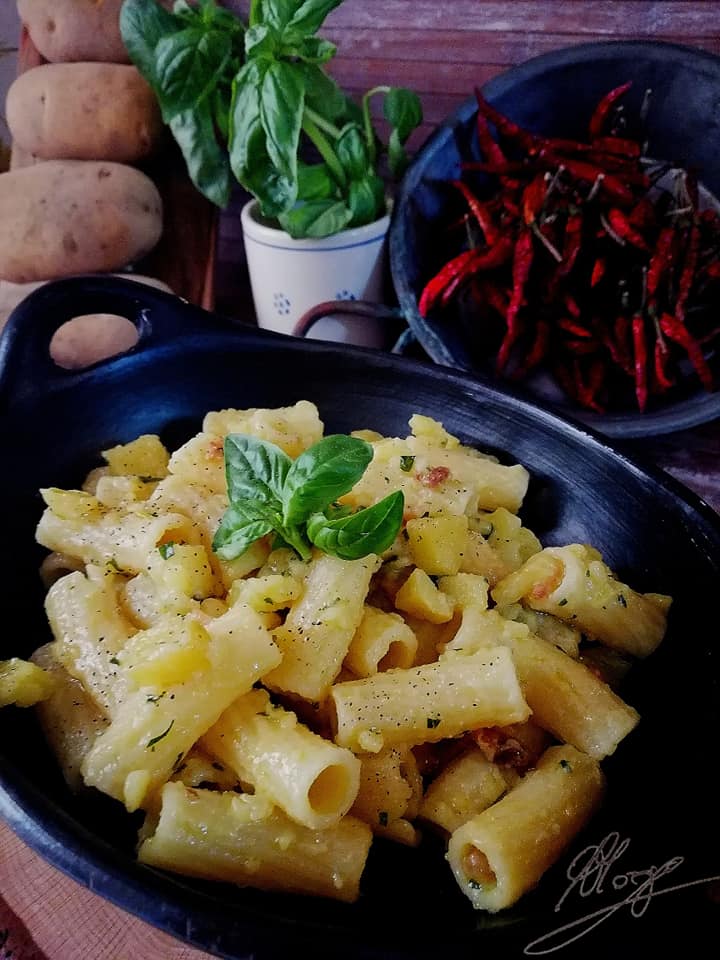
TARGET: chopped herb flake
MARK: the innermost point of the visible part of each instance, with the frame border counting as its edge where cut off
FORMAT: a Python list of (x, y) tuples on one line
[(474, 884), (562, 602), (566, 766), (166, 550), (406, 464), (115, 661), (151, 743), (621, 600), (432, 722), (383, 818)]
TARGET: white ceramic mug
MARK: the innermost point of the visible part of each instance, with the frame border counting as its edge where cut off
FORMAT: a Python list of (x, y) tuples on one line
[(289, 276)]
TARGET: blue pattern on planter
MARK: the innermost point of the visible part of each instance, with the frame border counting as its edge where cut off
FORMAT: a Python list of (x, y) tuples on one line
[(345, 295), (282, 304)]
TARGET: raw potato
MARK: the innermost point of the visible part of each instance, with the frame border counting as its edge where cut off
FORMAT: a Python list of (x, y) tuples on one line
[(84, 111), (68, 30), (12, 294), (62, 217)]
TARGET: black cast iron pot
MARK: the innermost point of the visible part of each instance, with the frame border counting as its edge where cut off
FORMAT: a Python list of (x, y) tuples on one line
[(652, 531)]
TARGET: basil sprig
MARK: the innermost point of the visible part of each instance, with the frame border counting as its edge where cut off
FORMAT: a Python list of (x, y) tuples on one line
[(296, 499), (249, 101)]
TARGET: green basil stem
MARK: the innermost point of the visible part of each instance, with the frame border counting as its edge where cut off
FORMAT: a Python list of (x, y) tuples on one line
[(311, 127), (254, 12), (367, 120)]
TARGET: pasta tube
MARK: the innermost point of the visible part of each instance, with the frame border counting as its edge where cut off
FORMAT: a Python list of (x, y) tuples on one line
[(428, 703), (245, 840), (122, 538), (574, 584), (501, 853), (390, 793), (318, 630), (464, 788), (153, 729), (383, 640), (70, 718), (313, 780), (90, 631)]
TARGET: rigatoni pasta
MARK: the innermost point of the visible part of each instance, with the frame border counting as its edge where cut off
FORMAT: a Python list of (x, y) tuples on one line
[(271, 712)]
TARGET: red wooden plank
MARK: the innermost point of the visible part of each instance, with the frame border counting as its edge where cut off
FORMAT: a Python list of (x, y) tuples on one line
[(467, 47), (595, 17)]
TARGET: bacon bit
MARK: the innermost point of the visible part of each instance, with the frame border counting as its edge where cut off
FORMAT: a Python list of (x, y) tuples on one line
[(501, 748), (433, 476), (543, 588), (215, 449)]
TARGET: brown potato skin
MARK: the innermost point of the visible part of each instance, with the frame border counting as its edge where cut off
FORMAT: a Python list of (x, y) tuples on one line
[(62, 217), (67, 30), (84, 111)]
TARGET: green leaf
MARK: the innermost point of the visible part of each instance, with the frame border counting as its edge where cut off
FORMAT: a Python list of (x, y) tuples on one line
[(309, 16), (366, 199), (143, 23), (352, 152), (322, 473), (317, 218), (187, 65), (255, 470), (403, 111), (312, 50), (237, 532), (276, 13), (322, 94), (261, 41), (249, 158), (368, 531), (206, 159), (315, 182), (282, 98)]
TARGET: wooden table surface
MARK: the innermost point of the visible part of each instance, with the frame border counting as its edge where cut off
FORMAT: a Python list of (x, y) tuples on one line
[(442, 50)]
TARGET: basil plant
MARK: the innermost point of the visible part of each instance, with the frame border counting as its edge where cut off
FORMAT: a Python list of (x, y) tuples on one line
[(254, 102)]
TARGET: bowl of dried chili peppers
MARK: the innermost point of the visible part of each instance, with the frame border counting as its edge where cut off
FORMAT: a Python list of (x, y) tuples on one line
[(561, 231)]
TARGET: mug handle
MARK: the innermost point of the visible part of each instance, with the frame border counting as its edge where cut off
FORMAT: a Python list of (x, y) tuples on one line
[(392, 317)]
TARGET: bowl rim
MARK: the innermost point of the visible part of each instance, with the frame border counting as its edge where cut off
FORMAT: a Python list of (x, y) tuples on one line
[(701, 407)]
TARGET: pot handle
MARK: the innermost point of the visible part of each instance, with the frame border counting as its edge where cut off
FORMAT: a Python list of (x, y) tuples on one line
[(390, 317), (26, 366)]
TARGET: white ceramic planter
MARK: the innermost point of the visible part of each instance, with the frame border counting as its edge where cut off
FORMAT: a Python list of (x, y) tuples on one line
[(289, 276)]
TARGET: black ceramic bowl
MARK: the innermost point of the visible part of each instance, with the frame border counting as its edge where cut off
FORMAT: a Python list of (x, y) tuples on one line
[(651, 530), (555, 94)]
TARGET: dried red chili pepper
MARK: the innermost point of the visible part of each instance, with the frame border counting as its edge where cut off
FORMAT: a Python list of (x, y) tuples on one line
[(533, 198), (538, 350), (661, 357), (640, 355), (598, 271), (489, 147), (463, 266), (676, 331), (481, 212), (713, 270), (611, 185), (617, 342), (629, 149), (687, 274), (522, 261), (602, 110), (660, 262), (624, 229), (504, 126), (576, 329)]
